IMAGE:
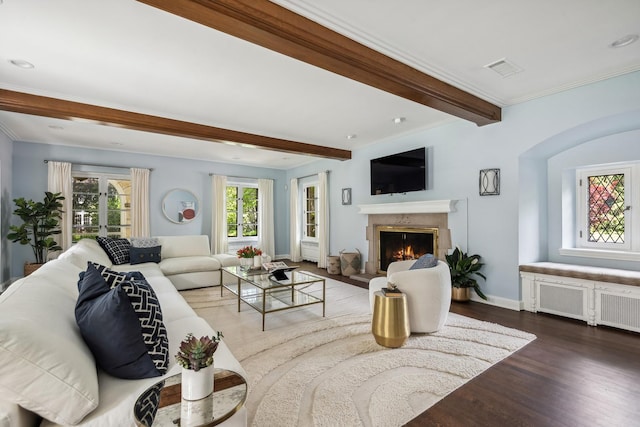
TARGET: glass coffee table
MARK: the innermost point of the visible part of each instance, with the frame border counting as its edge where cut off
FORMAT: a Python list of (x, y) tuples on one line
[(266, 295), (161, 405)]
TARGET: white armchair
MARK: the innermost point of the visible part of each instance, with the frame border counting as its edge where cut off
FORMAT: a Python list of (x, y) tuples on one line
[(428, 292)]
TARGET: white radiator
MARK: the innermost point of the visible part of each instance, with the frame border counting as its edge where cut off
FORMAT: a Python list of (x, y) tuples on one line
[(597, 303), (619, 310), (569, 301)]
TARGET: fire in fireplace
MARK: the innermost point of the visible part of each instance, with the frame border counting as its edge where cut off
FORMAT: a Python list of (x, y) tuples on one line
[(404, 243)]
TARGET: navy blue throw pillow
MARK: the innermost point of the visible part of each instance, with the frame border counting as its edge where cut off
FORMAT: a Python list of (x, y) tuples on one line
[(122, 326), (425, 261), (114, 278), (140, 255)]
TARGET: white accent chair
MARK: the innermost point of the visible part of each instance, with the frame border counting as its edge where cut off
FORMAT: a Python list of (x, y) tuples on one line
[(428, 292)]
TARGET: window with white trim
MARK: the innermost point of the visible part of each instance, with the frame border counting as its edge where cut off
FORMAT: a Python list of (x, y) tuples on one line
[(310, 212), (242, 212), (605, 218), (101, 205)]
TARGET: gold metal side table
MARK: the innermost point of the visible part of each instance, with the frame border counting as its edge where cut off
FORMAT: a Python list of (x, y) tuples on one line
[(390, 325)]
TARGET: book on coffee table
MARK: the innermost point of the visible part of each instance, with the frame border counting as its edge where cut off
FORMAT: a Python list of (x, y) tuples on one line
[(270, 266)]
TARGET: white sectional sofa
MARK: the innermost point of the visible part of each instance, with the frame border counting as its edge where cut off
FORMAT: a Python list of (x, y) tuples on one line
[(188, 263), (48, 375)]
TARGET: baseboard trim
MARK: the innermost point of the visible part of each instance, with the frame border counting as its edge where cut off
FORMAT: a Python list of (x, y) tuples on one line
[(499, 302)]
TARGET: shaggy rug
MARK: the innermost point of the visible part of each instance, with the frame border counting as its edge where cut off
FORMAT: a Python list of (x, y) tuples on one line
[(330, 371)]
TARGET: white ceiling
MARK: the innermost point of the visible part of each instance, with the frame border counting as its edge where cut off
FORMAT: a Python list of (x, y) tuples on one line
[(130, 56)]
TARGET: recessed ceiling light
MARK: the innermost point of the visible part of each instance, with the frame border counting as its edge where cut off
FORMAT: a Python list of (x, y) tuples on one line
[(399, 120), (22, 63), (625, 41), (352, 136), (55, 127)]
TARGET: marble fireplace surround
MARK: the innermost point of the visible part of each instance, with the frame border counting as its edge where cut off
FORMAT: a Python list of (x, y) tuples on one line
[(423, 214)]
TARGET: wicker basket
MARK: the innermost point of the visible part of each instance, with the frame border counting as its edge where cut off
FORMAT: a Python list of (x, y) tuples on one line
[(333, 264), (350, 263)]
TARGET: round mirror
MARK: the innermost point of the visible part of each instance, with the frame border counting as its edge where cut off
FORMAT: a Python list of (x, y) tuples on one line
[(180, 206)]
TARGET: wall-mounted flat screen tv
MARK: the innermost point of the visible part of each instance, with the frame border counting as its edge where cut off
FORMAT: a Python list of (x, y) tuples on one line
[(399, 173)]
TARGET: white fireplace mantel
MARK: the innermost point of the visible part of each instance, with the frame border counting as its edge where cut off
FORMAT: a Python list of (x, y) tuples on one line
[(427, 206)]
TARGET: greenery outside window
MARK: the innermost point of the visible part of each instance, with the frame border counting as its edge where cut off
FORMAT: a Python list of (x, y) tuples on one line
[(101, 205), (605, 219), (242, 212), (310, 212)]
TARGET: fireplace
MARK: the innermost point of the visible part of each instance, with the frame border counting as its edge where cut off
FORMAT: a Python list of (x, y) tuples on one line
[(404, 243), (428, 217)]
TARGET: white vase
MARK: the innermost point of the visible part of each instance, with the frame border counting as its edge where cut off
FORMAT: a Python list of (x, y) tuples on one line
[(195, 413), (257, 261), (246, 262), (197, 384)]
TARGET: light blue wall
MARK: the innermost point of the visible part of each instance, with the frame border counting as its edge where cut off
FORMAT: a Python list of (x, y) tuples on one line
[(511, 228), (619, 147), (520, 225), (30, 181), (6, 204)]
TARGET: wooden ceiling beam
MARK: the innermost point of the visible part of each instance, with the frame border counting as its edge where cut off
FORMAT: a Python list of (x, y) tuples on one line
[(69, 110), (276, 28)]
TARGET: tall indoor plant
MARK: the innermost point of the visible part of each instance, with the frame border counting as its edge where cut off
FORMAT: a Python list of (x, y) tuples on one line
[(39, 224), (463, 268)]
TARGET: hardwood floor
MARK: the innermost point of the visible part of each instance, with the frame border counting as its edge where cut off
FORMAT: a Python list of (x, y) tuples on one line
[(571, 375)]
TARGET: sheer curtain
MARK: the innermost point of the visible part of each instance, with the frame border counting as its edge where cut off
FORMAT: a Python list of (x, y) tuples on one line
[(323, 220), (139, 202), (294, 222), (219, 242), (60, 181), (265, 217)]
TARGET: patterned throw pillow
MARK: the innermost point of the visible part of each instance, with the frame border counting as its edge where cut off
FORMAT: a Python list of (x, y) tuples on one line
[(122, 326), (114, 278), (144, 242), (116, 249), (425, 261), (154, 334)]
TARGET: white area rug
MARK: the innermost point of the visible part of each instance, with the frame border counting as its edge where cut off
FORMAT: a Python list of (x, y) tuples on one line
[(307, 370)]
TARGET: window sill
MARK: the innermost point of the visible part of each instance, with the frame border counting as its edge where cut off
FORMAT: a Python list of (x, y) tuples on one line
[(599, 253)]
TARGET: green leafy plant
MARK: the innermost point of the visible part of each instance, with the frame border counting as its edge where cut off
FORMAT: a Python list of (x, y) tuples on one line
[(462, 268), (197, 353), (248, 252), (39, 223)]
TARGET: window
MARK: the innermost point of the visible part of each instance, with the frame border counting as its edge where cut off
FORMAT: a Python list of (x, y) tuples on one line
[(101, 205), (242, 212), (605, 218), (310, 212)]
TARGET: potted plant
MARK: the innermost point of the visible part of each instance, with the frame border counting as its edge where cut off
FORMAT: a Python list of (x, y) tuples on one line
[(39, 223), (463, 268), (195, 355)]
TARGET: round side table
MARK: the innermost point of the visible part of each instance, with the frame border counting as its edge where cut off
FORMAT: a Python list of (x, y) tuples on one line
[(390, 325), (162, 405)]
